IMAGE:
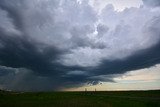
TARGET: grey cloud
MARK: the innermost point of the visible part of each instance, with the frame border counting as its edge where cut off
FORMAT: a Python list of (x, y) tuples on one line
[(102, 29), (13, 13), (152, 3), (143, 58)]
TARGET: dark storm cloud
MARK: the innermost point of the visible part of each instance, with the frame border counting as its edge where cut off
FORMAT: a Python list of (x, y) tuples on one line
[(22, 52), (36, 66), (57, 48), (142, 59), (30, 66), (21, 79)]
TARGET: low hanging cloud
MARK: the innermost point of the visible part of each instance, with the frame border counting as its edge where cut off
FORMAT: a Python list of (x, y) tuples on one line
[(66, 43)]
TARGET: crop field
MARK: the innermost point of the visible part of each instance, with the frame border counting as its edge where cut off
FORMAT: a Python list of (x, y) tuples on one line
[(81, 99)]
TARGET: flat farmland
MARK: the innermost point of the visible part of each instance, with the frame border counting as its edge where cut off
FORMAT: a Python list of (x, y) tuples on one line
[(81, 99)]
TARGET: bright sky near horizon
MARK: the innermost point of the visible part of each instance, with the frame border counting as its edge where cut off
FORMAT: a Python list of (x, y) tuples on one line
[(119, 5)]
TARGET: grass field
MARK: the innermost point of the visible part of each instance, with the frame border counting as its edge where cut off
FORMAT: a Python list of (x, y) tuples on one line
[(81, 99)]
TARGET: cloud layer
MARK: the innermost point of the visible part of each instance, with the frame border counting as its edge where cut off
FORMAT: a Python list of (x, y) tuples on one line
[(53, 44)]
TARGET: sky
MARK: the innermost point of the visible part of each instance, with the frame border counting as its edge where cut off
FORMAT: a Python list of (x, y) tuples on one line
[(70, 45)]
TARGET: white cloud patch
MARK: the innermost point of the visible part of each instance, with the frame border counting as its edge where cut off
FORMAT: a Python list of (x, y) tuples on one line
[(82, 57), (119, 5)]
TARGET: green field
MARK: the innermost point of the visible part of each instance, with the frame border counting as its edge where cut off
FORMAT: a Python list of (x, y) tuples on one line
[(81, 99)]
